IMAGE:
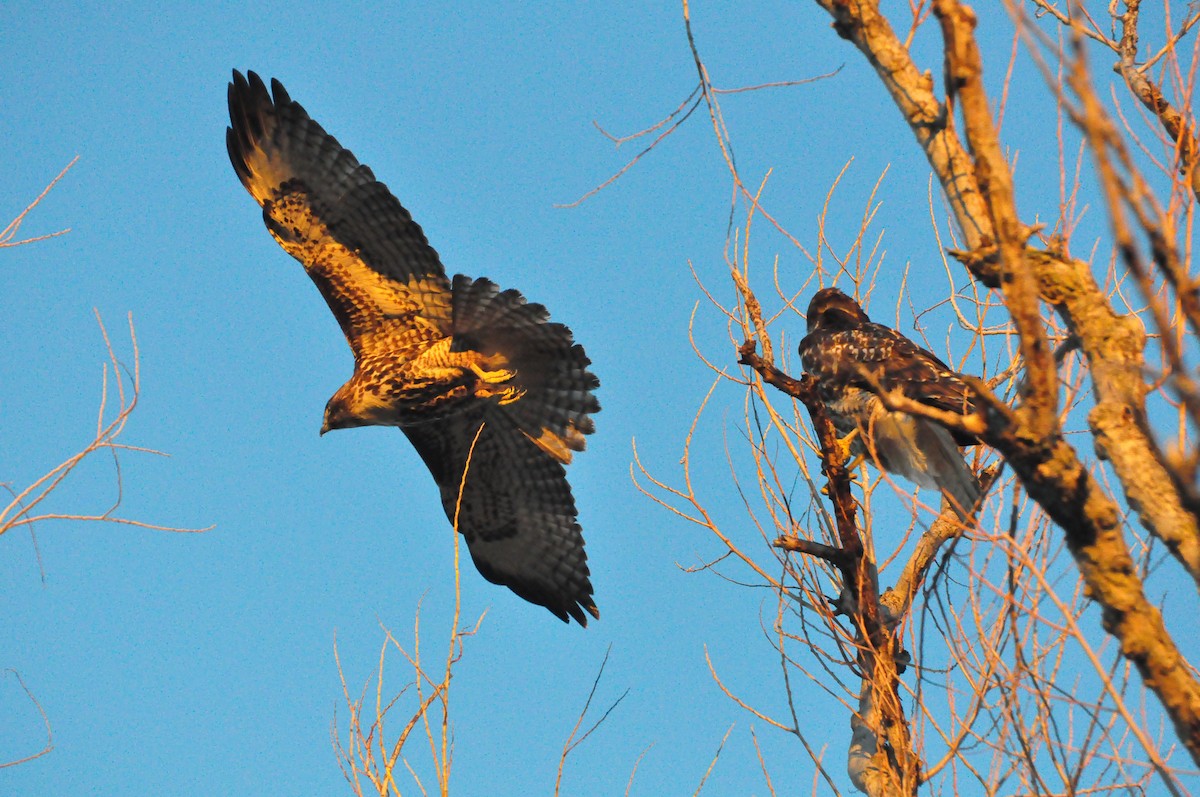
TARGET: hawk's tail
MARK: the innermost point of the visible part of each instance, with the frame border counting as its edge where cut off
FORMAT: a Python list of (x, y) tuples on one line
[(925, 452), (555, 399), (952, 473)]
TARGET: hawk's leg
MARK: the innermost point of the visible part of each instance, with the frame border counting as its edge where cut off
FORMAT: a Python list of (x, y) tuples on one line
[(846, 444), (507, 395), (490, 372), (849, 458), (440, 364), (851, 461), (493, 377)]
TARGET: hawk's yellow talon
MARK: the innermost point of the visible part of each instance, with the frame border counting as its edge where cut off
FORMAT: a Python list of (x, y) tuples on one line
[(845, 444), (492, 377), (510, 394)]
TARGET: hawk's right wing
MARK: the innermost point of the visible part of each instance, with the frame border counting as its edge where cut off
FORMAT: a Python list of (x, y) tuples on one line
[(369, 259), (517, 512), (839, 358), (919, 373)]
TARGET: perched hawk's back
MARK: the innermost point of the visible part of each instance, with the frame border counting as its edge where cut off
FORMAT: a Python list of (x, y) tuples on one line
[(842, 349), (493, 395)]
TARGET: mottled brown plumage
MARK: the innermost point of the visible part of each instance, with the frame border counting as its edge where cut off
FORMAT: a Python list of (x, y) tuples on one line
[(440, 359), (852, 357)]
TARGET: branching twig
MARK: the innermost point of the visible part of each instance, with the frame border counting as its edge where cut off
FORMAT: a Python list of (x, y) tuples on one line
[(20, 510), (45, 723), (10, 232)]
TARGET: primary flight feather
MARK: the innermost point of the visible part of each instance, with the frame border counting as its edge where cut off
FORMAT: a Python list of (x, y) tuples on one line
[(467, 371)]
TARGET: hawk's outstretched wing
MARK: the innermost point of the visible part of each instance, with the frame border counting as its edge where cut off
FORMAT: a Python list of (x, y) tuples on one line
[(440, 360), (369, 259), (517, 513), (852, 357)]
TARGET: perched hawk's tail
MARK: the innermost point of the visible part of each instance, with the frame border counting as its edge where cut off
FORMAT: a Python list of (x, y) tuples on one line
[(554, 387), (954, 477), (924, 452)]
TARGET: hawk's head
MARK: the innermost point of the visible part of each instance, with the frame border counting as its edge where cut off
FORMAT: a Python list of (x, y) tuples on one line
[(350, 407), (830, 309)]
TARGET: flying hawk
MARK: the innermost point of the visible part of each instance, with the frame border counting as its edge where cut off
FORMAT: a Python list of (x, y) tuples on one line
[(494, 397), (842, 349)]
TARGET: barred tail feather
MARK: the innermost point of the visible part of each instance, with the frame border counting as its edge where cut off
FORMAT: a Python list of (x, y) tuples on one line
[(550, 367)]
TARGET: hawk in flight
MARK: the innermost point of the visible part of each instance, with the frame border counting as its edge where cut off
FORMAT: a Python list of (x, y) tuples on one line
[(492, 394), (852, 358)]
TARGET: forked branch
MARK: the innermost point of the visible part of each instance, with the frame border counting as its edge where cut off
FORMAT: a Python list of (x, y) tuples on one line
[(883, 759), (24, 508)]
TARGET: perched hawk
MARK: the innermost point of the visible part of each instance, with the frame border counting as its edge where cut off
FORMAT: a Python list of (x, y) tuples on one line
[(841, 348), (468, 372)]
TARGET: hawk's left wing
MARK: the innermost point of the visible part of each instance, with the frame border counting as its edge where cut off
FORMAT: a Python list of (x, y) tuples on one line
[(367, 256), (918, 374), (517, 512)]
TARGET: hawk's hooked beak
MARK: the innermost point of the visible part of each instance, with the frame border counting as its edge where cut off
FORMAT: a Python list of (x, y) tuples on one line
[(324, 427)]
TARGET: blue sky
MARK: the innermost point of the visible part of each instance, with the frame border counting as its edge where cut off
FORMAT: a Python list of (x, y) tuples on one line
[(180, 664)]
